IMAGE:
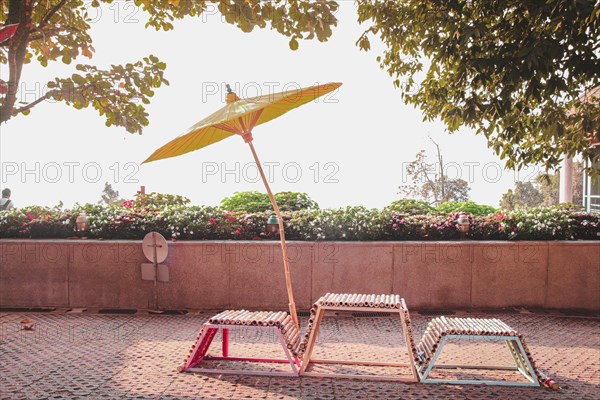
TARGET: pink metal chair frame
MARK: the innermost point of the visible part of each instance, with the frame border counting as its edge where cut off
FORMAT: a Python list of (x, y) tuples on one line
[(199, 352)]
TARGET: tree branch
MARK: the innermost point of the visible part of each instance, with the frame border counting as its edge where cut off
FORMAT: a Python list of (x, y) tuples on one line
[(46, 34), (36, 34), (29, 106), (442, 180), (424, 171), (50, 14), (49, 94)]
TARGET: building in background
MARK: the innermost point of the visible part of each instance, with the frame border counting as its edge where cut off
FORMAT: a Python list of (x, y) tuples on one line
[(591, 184)]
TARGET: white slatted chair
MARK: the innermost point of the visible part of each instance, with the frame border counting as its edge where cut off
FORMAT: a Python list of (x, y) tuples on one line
[(441, 330)]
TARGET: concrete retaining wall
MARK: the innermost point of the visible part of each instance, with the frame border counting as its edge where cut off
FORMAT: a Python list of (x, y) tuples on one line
[(212, 275)]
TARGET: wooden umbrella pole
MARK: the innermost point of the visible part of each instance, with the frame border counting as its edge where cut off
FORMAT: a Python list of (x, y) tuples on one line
[(286, 263)]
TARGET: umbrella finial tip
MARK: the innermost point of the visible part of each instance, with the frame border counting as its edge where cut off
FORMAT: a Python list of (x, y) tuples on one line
[(231, 96)]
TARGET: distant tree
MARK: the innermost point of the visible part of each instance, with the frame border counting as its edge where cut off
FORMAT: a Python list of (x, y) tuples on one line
[(429, 182), (524, 195), (507, 202), (550, 186), (544, 191), (109, 195), (512, 70)]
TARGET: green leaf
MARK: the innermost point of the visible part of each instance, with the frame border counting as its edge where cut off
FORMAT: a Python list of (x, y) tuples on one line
[(78, 79)]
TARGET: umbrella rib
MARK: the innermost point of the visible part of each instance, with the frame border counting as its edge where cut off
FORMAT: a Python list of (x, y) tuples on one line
[(185, 142), (226, 128), (255, 118), (242, 124)]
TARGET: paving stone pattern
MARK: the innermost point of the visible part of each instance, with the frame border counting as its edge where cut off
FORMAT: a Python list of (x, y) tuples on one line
[(100, 356)]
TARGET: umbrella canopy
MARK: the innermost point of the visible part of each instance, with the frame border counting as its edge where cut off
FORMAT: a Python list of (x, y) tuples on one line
[(239, 117)]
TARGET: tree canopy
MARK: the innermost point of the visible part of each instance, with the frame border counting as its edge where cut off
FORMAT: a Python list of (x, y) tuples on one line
[(525, 195), (109, 195), (513, 70), (543, 191), (522, 73), (59, 30)]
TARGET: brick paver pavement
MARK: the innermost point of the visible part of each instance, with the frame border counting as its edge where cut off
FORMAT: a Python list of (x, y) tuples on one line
[(103, 356)]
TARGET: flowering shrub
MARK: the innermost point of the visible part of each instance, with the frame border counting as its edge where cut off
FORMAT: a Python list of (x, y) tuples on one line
[(113, 222), (546, 223), (257, 202), (250, 201), (585, 226), (423, 227), (294, 201), (209, 223), (491, 227), (410, 206), (467, 207), (156, 200), (36, 222), (178, 221), (350, 223)]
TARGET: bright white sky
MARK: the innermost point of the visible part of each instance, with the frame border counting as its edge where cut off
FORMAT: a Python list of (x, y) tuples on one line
[(349, 150)]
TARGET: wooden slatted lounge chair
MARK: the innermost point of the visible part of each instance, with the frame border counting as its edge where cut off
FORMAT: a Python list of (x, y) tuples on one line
[(277, 324), (356, 303), (441, 330)]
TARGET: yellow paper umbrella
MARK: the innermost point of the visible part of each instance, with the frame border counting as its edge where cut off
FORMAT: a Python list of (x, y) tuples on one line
[(239, 117)]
